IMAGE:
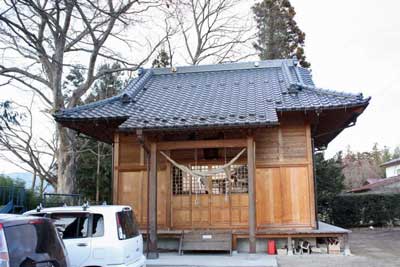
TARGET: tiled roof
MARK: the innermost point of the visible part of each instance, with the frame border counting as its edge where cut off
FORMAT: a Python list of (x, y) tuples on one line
[(249, 93), (382, 182), (391, 162), (373, 180)]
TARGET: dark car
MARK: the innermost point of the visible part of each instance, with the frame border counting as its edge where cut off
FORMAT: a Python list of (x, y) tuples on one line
[(27, 241)]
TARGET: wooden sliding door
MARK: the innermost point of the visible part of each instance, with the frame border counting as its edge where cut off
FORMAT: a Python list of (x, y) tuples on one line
[(210, 203), (283, 197)]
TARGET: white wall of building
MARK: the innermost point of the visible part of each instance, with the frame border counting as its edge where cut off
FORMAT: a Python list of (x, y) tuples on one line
[(393, 171)]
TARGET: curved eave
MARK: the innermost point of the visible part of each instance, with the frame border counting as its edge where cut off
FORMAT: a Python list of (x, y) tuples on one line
[(326, 122), (363, 103), (332, 121), (102, 129), (201, 127)]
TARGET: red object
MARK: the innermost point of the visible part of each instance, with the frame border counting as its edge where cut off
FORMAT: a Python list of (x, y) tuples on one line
[(271, 247), (37, 221)]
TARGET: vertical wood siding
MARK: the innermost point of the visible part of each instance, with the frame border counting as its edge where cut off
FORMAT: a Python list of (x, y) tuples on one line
[(283, 180)]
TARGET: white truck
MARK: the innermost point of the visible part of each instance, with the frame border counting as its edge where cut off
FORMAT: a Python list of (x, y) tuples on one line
[(105, 235)]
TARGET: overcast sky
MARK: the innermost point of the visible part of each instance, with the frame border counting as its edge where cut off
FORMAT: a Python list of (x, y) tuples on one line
[(353, 46)]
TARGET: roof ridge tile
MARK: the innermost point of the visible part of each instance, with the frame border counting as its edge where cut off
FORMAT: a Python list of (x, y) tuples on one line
[(87, 106), (133, 90), (272, 63), (331, 91)]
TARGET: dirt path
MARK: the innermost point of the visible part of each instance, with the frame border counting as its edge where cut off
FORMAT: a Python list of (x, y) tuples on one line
[(372, 248)]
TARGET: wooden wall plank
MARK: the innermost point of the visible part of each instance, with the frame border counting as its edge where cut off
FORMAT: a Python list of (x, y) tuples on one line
[(286, 143), (181, 212), (239, 209), (220, 210), (269, 197), (200, 210), (131, 154), (293, 142), (130, 192), (162, 198), (283, 197), (267, 141)]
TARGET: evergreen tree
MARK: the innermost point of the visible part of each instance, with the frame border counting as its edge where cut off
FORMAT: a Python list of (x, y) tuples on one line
[(109, 85), (6, 181), (162, 60), (396, 152), (329, 179), (94, 173), (8, 115), (279, 36), (386, 155)]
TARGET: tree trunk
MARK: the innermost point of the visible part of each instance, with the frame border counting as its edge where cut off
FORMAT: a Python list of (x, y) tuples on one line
[(33, 181), (41, 186), (66, 160)]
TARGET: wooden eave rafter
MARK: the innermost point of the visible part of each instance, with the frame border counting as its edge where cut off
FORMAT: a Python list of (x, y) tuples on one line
[(100, 129)]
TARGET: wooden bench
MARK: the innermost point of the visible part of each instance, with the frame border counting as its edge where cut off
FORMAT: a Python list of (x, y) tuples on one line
[(206, 241)]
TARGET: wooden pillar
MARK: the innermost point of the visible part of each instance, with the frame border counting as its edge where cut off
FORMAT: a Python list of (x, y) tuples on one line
[(169, 190), (289, 246), (314, 180), (152, 216), (347, 251), (115, 155), (252, 200)]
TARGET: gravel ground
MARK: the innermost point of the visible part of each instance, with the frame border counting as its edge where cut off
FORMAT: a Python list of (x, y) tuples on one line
[(372, 248)]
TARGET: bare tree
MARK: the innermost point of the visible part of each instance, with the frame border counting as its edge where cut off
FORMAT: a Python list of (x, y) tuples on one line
[(215, 30), (34, 155), (358, 167), (41, 39)]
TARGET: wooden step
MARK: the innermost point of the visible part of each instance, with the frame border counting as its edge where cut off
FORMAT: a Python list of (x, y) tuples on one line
[(206, 240)]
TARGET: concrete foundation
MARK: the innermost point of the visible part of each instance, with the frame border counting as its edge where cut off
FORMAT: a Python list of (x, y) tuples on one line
[(262, 244), (211, 260), (165, 244), (172, 244)]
